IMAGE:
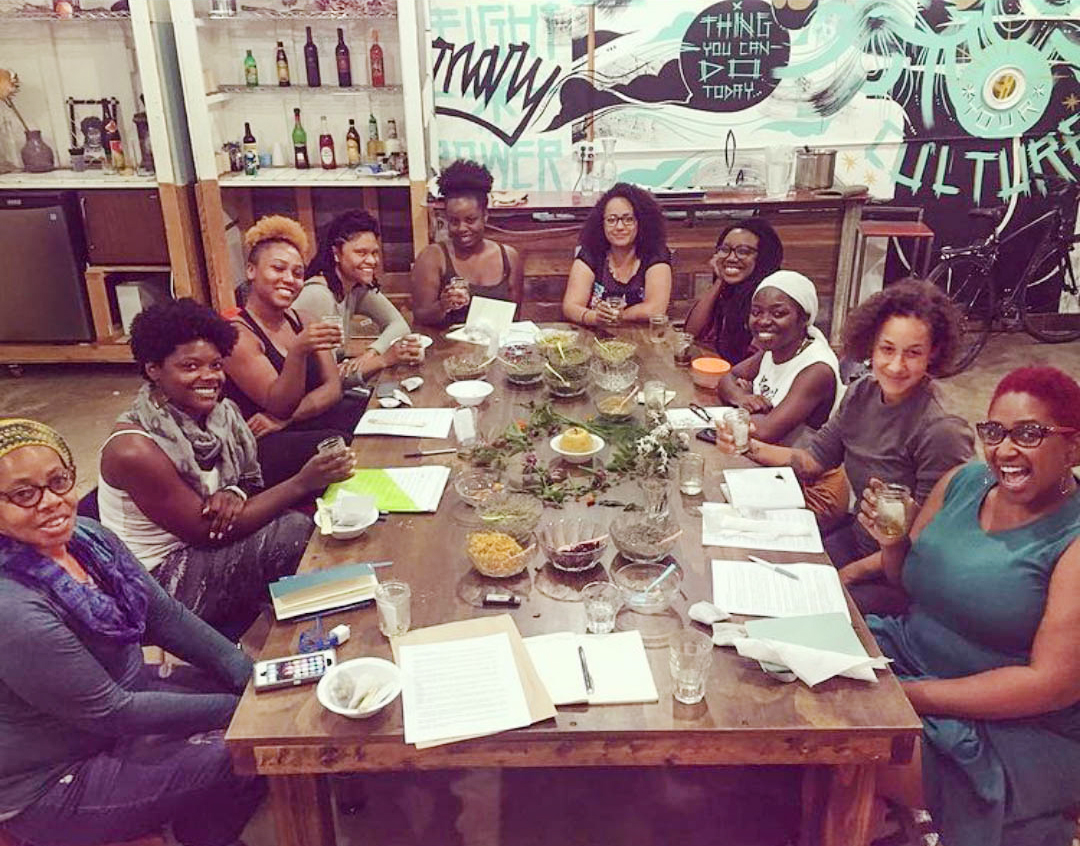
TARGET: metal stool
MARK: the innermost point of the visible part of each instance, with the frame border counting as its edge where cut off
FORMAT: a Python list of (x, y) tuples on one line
[(891, 222)]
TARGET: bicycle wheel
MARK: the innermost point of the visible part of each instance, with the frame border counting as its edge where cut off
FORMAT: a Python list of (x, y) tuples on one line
[(1042, 319), (967, 282)]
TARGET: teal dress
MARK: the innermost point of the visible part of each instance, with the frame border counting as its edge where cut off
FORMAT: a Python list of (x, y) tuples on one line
[(977, 600)]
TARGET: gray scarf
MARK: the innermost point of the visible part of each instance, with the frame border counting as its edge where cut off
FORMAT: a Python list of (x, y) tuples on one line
[(224, 442)]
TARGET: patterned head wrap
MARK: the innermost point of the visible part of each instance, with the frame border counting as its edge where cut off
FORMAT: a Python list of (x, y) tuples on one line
[(18, 432)]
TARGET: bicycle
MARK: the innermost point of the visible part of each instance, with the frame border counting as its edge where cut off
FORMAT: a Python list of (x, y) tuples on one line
[(966, 275)]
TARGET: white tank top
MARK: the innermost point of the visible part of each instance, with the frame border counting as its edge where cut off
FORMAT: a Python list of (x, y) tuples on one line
[(148, 541), (773, 381)]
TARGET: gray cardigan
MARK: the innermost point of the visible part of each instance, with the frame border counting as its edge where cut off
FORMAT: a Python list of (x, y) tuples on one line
[(67, 694)]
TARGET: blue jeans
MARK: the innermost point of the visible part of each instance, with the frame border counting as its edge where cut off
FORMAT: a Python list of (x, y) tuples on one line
[(138, 787)]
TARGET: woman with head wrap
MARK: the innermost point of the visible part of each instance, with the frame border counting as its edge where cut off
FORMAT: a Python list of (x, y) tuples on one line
[(746, 252), (93, 746)]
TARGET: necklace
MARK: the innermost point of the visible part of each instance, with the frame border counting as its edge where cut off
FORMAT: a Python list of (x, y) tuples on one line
[(628, 265)]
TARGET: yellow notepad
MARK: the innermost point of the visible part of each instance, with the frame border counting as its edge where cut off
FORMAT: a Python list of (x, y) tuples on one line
[(400, 489)]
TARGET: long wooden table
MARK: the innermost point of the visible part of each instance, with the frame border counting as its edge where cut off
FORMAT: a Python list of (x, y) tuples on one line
[(838, 731)]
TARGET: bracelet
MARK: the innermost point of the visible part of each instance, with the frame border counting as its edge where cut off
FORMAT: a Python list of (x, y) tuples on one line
[(236, 489)]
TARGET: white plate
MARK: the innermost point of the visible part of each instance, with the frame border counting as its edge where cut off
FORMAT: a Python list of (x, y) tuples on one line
[(323, 517), (385, 673), (578, 457), (470, 391)]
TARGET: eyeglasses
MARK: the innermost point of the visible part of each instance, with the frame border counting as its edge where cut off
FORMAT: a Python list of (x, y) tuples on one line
[(614, 220), (1027, 435), (27, 496), (743, 251)]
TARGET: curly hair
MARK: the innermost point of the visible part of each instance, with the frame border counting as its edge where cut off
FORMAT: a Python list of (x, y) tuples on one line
[(910, 297), (342, 228), (466, 179), (276, 229), (1058, 390), (157, 331), (651, 238)]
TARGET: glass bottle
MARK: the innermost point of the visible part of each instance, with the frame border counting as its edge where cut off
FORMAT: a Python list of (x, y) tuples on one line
[(326, 145), (373, 137), (114, 150), (251, 152), (344, 64), (352, 144), (311, 61), (378, 66), (251, 71), (282, 66), (299, 141)]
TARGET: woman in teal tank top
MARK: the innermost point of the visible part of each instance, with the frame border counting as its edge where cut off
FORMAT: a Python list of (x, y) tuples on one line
[(987, 652)]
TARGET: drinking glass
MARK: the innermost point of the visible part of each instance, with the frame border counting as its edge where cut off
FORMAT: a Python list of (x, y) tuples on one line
[(891, 516), (331, 446), (393, 604), (683, 348), (655, 392), (602, 601), (655, 489), (737, 421), (691, 473), (778, 164), (690, 656), (615, 304), (338, 322), (658, 324)]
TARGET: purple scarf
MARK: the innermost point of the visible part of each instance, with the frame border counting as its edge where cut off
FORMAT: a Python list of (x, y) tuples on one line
[(113, 607)]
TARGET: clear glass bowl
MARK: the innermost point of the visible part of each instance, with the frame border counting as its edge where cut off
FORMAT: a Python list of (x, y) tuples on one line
[(492, 564), (642, 540), (552, 339), (514, 513), (573, 545), (476, 487), (614, 377), (523, 363), (634, 576), (466, 366), (567, 382), (613, 350)]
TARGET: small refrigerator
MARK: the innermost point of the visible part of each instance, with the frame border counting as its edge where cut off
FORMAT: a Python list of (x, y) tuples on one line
[(42, 257)]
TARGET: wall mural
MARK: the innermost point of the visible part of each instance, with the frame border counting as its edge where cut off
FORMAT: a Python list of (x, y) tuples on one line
[(939, 103)]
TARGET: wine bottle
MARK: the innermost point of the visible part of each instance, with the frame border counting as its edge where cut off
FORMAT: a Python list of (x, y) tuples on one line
[(299, 141), (251, 71), (251, 152), (352, 144), (111, 137), (326, 145), (282, 66), (373, 137), (378, 68), (311, 61), (344, 64)]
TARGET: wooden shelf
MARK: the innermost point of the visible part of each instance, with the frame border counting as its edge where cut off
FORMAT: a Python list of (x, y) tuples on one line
[(290, 177), (69, 179)]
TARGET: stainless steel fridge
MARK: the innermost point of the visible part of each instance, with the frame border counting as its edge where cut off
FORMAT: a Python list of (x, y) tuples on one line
[(42, 258)]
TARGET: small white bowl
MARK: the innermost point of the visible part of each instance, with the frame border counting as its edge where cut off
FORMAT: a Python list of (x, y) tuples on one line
[(324, 515), (470, 391), (383, 671), (578, 457)]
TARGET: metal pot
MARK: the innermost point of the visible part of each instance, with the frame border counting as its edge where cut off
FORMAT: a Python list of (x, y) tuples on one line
[(814, 169)]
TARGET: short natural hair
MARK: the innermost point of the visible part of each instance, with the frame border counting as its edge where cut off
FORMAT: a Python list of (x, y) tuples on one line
[(909, 297), (466, 179), (1057, 389), (651, 238), (276, 229), (157, 331)]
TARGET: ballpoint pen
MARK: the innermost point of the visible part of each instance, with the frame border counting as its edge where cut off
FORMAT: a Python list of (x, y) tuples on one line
[(421, 453), (776, 568), (585, 670)]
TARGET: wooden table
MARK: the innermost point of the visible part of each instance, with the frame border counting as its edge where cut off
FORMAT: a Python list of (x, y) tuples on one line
[(838, 731)]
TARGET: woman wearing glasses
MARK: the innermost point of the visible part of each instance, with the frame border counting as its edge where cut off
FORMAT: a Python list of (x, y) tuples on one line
[(94, 748), (746, 252), (987, 651), (622, 273)]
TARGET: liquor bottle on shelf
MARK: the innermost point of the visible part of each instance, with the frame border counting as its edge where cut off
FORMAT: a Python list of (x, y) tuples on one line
[(378, 68), (372, 137), (299, 142), (251, 152), (114, 149), (326, 145), (282, 66), (391, 129), (344, 64), (311, 61), (352, 144), (251, 71)]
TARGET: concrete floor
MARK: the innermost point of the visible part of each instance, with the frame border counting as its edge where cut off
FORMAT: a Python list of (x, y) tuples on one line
[(485, 807)]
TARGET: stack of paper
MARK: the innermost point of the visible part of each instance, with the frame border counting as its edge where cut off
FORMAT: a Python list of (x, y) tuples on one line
[(764, 489), (407, 422), (684, 418), (787, 529), (756, 590), (617, 665), (402, 489), (323, 590)]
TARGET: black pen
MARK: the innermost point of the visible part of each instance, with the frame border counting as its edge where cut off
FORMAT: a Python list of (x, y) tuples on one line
[(585, 670)]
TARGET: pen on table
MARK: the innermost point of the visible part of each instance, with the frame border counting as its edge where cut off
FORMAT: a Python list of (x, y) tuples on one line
[(423, 452), (585, 670), (776, 568)]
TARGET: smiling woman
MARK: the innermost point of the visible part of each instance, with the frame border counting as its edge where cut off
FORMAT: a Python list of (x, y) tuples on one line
[(180, 480)]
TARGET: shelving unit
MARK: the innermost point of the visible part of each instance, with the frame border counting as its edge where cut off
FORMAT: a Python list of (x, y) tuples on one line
[(211, 53), (93, 54)]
